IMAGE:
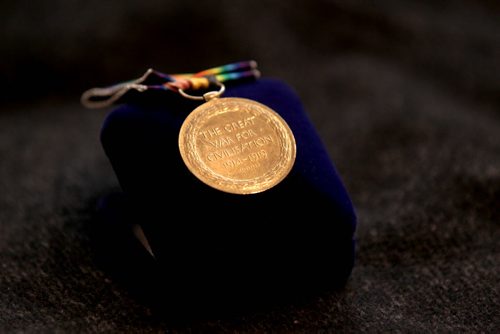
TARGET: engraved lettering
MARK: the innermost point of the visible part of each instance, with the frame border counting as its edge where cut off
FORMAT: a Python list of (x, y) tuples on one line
[(240, 124), (251, 161), (240, 148), (232, 163), (217, 155), (210, 133), (221, 142), (262, 154), (245, 134)]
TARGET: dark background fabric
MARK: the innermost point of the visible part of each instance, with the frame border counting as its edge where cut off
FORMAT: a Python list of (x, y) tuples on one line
[(405, 95)]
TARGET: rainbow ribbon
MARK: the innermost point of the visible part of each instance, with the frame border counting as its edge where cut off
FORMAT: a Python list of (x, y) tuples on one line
[(101, 97)]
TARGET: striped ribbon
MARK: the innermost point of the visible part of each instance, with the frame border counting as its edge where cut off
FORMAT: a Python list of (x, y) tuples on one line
[(101, 97)]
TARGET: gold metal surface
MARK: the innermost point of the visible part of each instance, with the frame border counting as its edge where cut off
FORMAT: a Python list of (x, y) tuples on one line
[(237, 145)]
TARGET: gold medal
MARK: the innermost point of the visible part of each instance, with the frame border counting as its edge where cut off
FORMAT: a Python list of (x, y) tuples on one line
[(236, 145)]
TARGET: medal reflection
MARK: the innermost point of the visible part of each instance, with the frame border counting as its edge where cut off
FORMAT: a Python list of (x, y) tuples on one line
[(236, 145)]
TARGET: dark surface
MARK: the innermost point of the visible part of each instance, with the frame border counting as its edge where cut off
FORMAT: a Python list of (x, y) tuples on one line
[(404, 94)]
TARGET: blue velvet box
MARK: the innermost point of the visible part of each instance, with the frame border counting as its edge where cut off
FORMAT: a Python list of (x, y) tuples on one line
[(210, 245)]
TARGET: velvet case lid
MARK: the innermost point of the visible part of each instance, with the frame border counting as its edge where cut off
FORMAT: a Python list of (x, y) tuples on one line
[(237, 246)]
